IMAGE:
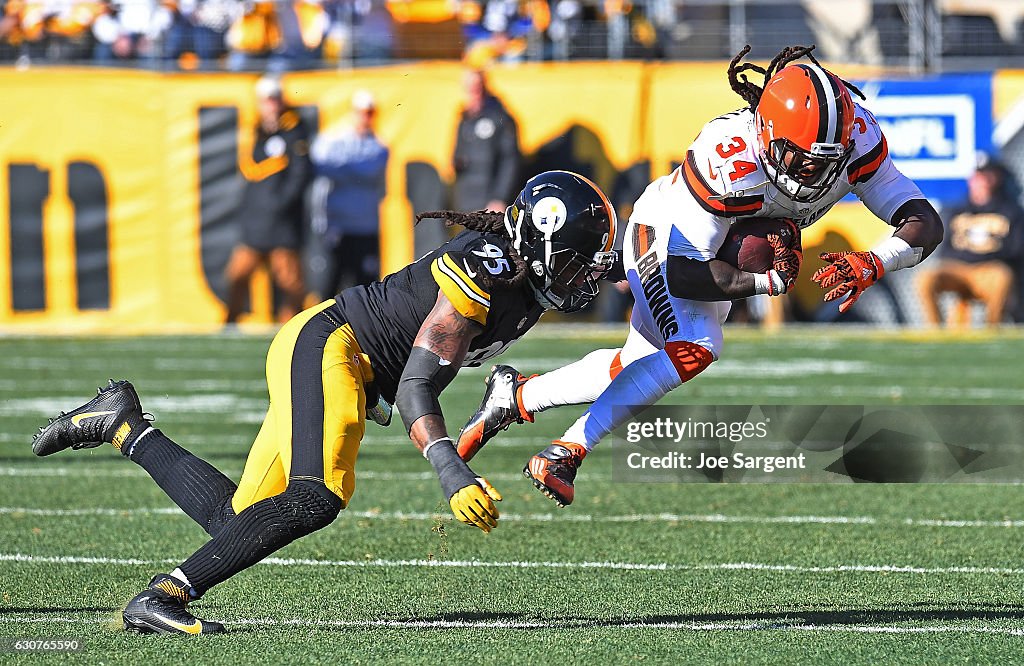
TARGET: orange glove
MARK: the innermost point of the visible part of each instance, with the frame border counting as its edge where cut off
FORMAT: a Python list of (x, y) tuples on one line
[(853, 272), (787, 260)]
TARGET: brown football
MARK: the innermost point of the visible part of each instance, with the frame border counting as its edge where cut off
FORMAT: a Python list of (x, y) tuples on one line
[(746, 245)]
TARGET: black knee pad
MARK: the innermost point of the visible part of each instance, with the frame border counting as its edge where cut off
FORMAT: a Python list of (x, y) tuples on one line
[(308, 506)]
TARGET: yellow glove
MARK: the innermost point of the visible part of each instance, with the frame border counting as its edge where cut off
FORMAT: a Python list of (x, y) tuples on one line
[(474, 505)]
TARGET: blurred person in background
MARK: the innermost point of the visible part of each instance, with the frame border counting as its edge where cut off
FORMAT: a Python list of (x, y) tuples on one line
[(350, 165), (129, 29), (54, 30), (271, 212), (487, 157), (361, 30), (984, 247), (198, 29), (289, 34), (10, 26), (497, 30)]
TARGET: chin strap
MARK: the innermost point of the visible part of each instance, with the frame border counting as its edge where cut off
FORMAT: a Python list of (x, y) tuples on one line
[(515, 233)]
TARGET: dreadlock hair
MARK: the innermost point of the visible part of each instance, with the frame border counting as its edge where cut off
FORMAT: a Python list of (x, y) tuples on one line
[(751, 92), (485, 221)]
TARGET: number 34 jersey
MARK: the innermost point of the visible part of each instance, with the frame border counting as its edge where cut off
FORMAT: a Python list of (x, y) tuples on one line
[(470, 270), (722, 179)]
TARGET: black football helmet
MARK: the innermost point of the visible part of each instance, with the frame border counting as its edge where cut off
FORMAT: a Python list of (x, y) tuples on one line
[(563, 226)]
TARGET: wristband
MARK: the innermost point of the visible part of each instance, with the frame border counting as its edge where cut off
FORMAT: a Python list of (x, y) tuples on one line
[(453, 474), (439, 439), (896, 253), (770, 283)]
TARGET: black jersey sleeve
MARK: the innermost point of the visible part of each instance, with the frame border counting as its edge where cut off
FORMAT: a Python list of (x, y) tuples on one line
[(469, 275)]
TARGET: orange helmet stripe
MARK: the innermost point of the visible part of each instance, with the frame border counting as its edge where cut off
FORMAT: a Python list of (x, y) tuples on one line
[(865, 166), (613, 219)]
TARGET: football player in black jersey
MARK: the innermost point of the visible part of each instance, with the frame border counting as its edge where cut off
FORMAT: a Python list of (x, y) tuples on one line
[(400, 340)]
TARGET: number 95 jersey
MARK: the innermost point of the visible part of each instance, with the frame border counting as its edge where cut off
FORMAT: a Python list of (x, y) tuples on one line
[(472, 271)]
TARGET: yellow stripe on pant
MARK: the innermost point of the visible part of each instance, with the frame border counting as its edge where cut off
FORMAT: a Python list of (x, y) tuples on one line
[(316, 374)]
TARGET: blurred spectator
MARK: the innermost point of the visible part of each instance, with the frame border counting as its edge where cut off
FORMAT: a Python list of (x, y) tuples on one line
[(497, 30), (487, 156), (270, 214), (198, 29), (10, 23), (129, 29), (290, 34), (566, 24), (984, 244), (52, 29), (360, 30), (350, 163)]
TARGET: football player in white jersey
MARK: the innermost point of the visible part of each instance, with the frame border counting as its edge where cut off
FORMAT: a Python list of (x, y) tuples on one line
[(800, 146)]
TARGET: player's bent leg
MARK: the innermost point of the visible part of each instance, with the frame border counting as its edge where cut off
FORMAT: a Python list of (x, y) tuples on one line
[(640, 384), (582, 382), (115, 415), (260, 530), (502, 406), (513, 398), (197, 487)]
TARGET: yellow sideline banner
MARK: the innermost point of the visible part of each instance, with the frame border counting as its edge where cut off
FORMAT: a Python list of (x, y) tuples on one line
[(117, 188)]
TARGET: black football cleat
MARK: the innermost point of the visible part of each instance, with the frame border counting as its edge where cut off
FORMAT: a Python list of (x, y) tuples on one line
[(161, 609), (554, 469), (501, 407), (114, 415)]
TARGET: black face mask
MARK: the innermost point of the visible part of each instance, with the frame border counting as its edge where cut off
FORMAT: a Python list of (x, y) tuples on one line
[(802, 176), (570, 281)]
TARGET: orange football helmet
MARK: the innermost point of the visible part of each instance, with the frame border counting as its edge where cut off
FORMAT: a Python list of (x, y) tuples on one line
[(804, 121)]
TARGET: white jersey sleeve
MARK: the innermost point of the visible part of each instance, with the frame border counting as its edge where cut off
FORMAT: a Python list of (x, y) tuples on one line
[(875, 179)]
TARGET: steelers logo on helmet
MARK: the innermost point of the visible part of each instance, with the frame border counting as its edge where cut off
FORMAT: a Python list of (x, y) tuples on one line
[(563, 225), (549, 214)]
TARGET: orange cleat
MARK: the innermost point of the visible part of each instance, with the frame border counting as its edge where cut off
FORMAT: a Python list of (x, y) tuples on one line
[(554, 469)]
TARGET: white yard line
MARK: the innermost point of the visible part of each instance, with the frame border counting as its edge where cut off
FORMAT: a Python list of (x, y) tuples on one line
[(516, 564), (565, 517), (562, 624)]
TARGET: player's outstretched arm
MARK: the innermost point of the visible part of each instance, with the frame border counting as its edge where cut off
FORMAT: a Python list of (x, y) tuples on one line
[(847, 274), (437, 354), (919, 224)]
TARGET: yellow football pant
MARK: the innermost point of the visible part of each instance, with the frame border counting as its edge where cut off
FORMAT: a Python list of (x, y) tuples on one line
[(316, 374)]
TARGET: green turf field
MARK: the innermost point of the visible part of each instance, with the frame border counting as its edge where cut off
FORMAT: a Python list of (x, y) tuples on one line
[(656, 572)]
